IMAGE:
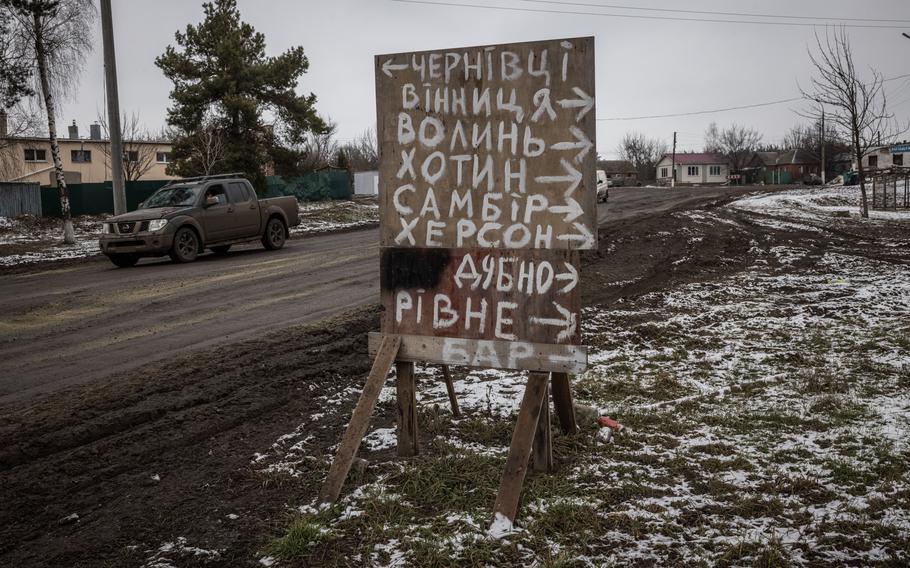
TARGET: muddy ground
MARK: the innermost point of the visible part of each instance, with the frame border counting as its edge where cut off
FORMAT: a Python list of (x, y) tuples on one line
[(105, 474)]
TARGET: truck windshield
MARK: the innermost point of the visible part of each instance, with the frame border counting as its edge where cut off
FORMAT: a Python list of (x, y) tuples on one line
[(173, 197)]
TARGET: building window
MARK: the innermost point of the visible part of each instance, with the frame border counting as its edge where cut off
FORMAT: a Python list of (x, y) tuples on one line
[(714, 171), (131, 156), (897, 159), (33, 155), (873, 161), (81, 156), (664, 172), (693, 171), (163, 157)]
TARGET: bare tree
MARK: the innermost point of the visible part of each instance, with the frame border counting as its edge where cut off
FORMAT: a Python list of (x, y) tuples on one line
[(208, 147), (56, 36), (642, 152), (21, 120), (320, 148), (363, 152), (809, 139), (139, 150), (712, 139), (855, 108), (736, 143)]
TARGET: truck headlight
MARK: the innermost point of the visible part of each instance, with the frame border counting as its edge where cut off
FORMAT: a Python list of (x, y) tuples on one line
[(157, 224), (107, 228)]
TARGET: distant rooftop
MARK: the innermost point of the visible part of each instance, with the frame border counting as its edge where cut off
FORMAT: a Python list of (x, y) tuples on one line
[(697, 158)]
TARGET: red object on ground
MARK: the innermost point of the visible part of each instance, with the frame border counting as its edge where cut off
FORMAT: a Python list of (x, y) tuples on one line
[(606, 421)]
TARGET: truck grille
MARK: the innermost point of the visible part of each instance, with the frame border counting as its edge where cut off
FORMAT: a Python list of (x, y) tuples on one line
[(125, 228)]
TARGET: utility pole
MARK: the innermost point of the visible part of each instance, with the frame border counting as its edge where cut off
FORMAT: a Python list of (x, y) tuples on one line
[(822, 138), (673, 162), (113, 107)]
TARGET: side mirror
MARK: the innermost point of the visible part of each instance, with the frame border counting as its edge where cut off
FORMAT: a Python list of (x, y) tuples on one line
[(211, 200)]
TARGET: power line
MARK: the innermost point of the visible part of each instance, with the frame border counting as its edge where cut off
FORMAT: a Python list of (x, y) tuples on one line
[(711, 12), (640, 16), (712, 111)]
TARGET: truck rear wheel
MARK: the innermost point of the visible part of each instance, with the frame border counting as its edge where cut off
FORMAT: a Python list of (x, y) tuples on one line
[(275, 234), (124, 260), (186, 245)]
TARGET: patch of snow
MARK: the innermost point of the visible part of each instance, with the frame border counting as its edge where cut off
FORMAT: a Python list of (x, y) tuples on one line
[(501, 527)]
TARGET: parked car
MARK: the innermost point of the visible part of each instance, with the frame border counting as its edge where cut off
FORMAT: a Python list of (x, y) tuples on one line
[(190, 215), (603, 186)]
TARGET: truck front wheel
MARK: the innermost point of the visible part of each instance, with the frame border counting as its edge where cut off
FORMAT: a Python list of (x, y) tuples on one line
[(186, 245), (275, 234)]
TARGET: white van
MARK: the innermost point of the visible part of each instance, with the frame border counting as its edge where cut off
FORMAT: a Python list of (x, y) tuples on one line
[(603, 186)]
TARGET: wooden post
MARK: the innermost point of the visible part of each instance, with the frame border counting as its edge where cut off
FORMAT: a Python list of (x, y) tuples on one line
[(406, 390), (542, 458), (456, 412), (562, 401), (513, 474), (360, 420)]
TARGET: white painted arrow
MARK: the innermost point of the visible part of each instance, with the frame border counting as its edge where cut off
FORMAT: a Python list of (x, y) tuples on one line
[(573, 177), (388, 67), (572, 209), (582, 142), (583, 236), (584, 102), (568, 321), (571, 276)]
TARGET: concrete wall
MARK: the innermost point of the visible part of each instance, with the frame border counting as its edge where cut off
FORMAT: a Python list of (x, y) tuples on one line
[(884, 159), (96, 171), (366, 183)]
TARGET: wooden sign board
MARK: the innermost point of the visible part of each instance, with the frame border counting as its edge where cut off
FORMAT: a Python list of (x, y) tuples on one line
[(487, 193)]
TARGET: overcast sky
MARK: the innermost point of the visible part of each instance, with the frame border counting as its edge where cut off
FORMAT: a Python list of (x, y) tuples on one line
[(644, 66)]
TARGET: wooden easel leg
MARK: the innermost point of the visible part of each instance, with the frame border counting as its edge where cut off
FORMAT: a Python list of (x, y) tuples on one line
[(513, 474), (542, 457), (562, 401), (456, 412), (406, 389), (360, 420)]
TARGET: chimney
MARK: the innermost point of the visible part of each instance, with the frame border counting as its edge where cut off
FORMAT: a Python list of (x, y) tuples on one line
[(3, 125), (95, 131), (74, 131)]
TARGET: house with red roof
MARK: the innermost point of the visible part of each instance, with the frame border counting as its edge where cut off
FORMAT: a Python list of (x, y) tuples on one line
[(694, 168)]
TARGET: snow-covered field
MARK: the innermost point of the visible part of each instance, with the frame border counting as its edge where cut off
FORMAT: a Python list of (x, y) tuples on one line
[(816, 204), (332, 216), (30, 240), (767, 417)]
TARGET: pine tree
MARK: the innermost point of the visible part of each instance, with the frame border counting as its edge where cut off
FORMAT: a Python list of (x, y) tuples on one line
[(223, 80)]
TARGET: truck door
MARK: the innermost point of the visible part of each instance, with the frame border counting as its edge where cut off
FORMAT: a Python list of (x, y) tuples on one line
[(218, 220), (246, 210)]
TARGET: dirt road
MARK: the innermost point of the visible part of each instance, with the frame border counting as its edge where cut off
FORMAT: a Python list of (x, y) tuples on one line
[(142, 466), (100, 320)]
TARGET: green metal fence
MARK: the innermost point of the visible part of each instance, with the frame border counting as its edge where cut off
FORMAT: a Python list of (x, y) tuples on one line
[(316, 186), (97, 198)]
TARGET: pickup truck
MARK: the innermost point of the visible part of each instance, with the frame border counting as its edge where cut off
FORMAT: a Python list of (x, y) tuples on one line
[(187, 216)]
